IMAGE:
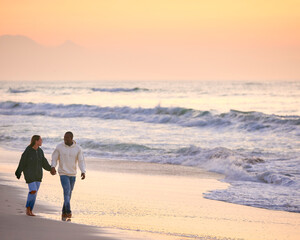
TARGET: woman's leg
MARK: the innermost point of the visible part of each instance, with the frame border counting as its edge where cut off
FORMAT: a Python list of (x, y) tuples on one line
[(33, 189)]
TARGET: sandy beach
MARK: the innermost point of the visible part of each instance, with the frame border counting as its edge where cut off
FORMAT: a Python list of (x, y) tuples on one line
[(16, 225), (130, 200)]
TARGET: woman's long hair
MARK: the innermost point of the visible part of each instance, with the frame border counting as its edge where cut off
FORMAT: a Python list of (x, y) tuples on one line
[(34, 139)]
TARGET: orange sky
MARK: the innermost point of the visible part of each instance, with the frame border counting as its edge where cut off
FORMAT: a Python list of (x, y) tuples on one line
[(227, 39)]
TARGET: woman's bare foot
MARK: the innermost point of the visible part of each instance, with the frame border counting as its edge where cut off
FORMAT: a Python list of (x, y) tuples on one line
[(29, 212), (32, 214)]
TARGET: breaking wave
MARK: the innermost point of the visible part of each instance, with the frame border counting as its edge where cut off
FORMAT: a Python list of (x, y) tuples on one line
[(248, 121), (11, 90), (136, 89)]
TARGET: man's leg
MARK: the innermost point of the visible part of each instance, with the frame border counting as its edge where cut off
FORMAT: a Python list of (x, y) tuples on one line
[(72, 183), (65, 183)]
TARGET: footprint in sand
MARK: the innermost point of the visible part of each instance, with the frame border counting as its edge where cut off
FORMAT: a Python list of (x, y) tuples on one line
[(19, 210)]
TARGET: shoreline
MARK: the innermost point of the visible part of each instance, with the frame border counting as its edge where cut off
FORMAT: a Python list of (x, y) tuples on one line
[(172, 196)]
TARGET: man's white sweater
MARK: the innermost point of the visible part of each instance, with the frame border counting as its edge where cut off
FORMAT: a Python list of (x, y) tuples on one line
[(68, 158)]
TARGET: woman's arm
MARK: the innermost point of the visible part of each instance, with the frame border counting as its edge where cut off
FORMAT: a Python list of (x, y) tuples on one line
[(22, 164), (45, 163)]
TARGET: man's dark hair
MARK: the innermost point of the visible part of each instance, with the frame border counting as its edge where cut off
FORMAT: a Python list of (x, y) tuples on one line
[(70, 133)]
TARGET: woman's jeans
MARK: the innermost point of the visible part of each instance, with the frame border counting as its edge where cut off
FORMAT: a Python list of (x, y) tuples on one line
[(67, 183), (33, 186)]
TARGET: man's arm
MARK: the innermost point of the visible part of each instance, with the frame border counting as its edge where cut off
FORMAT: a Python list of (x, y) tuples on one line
[(55, 158), (81, 163), (82, 176)]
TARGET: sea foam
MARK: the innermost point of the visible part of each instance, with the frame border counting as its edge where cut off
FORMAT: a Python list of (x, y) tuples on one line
[(249, 121)]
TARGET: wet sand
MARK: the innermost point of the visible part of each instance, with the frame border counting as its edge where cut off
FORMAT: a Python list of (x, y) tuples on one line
[(152, 201)]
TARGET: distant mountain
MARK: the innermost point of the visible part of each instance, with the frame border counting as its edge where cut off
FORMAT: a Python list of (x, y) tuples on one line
[(16, 41), (69, 44), (21, 58), (19, 41)]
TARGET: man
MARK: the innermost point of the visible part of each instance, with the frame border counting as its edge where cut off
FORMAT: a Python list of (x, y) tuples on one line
[(68, 154)]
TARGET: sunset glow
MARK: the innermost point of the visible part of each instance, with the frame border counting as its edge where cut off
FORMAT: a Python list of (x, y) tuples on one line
[(258, 40)]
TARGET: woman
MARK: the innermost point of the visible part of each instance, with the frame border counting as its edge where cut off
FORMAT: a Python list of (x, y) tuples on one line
[(31, 164)]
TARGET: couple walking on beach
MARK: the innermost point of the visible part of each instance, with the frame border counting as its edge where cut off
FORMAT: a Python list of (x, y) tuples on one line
[(68, 154)]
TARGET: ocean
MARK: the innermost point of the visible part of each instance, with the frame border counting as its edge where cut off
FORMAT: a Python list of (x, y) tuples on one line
[(247, 131)]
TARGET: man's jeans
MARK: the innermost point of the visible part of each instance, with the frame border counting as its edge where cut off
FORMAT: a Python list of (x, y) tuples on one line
[(67, 183), (33, 186)]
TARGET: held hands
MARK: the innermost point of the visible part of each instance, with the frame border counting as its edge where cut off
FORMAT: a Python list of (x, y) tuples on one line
[(82, 176), (53, 171)]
